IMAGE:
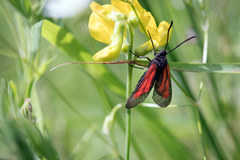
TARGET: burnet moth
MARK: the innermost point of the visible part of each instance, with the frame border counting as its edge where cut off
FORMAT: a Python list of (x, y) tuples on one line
[(157, 75)]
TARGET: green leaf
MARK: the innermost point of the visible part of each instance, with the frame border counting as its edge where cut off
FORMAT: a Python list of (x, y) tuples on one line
[(13, 87), (35, 44), (35, 38), (23, 6), (66, 42), (21, 136), (9, 132), (41, 144), (232, 68), (207, 67)]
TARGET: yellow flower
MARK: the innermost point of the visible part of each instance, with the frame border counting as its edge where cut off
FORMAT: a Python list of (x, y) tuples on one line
[(158, 34), (159, 37), (100, 24), (109, 23), (106, 24)]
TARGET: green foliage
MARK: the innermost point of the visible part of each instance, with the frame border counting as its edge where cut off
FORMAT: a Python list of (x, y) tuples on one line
[(59, 114), (21, 135)]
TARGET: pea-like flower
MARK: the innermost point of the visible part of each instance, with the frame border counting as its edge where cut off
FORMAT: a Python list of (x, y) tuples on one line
[(159, 37), (109, 24)]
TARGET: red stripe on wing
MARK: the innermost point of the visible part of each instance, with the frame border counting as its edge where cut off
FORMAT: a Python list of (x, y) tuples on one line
[(147, 82), (166, 92), (162, 94), (165, 83), (161, 88)]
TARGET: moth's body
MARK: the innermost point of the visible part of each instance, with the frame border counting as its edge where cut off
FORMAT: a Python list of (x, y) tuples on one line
[(157, 74), (160, 59)]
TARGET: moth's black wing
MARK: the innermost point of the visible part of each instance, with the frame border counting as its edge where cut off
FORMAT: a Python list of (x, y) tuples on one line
[(144, 87), (162, 94)]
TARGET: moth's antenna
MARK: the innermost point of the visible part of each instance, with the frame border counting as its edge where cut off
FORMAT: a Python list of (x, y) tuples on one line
[(152, 42), (113, 62), (168, 34), (182, 43)]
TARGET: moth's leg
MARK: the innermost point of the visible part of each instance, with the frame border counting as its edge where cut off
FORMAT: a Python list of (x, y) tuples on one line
[(141, 56), (137, 67)]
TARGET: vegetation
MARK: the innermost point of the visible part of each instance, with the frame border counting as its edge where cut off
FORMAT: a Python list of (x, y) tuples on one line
[(78, 111)]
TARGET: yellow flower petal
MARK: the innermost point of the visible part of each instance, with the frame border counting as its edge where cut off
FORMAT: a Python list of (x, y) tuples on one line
[(162, 33), (145, 48), (100, 29), (112, 51), (145, 17), (137, 6), (108, 53), (159, 38), (101, 21), (148, 21), (107, 12), (122, 6)]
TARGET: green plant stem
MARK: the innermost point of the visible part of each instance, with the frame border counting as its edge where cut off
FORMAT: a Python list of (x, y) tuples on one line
[(128, 92), (205, 44), (204, 60), (128, 133), (200, 131)]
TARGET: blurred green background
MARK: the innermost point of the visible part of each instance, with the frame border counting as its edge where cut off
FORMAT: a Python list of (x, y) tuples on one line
[(68, 105)]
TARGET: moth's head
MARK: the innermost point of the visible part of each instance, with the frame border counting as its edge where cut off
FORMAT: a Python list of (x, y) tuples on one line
[(162, 53)]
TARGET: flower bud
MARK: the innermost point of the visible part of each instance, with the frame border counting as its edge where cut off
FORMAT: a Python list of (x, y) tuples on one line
[(26, 110), (108, 122)]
